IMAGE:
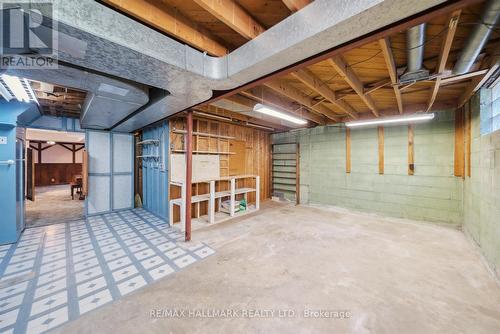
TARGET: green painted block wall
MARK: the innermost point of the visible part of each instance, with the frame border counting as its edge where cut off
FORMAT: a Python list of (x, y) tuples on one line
[(482, 191), (431, 194)]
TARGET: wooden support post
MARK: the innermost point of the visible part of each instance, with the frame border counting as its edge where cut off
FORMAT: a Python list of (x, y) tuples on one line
[(411, 159), (189, 165), (297, 174), (468, 138), (73, 152), (381, 150), (347, 150), (459, 143), (39, 151)]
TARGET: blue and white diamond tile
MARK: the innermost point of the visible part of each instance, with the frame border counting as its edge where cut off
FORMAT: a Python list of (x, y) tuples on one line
[(56, 273)]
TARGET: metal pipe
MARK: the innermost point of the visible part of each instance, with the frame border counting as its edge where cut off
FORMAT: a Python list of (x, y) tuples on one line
[(478, 38), (189, 172), (415, 37)]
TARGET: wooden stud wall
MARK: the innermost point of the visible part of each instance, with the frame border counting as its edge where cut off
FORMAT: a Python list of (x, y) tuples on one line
[(257, 155), (381, 150), (411, 157), (347, 150), (459, 160)]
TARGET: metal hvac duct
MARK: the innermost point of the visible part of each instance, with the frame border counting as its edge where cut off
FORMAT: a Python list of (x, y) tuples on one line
[(478, 38), (415, 40)]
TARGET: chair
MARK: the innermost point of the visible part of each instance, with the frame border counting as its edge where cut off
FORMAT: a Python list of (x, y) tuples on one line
[(77, 184)]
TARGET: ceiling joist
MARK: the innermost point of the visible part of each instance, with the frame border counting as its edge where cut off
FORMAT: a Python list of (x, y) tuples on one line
[(314, 83), (234, 16), (296, 5), (385, 45), (352, 79), (170, 21), (295, 94), (443, 55)]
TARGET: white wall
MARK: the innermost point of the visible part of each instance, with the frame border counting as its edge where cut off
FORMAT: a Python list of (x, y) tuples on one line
[(57, 154)]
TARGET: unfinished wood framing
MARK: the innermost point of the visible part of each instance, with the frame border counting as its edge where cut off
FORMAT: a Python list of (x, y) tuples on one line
[(214, 136), (380, 149), (443, 55), (321, 88), (164, 18), (459, 153), (296, 5), (347, 150), (468, 138), (411, 150), (340, 65), (234, 16), (385, 45)]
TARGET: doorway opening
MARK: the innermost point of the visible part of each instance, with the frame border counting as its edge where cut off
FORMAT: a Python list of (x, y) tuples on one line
[(54, 177)]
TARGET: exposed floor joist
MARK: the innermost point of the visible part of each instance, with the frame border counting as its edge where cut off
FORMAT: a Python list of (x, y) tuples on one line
[(313, 82), (298, 96), (443, 55), (352, 79), (385, 45), (168, 20), (296, 5), (234, 16)]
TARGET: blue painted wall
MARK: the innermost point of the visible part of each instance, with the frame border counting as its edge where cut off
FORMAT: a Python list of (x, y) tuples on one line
[(9, 113), (155, 171)]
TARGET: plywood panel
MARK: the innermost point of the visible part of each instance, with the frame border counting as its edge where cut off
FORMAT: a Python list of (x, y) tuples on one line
[(238, 160)]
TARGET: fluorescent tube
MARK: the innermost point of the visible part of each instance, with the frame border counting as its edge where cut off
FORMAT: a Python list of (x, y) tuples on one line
[(392, 120), (278, 114)]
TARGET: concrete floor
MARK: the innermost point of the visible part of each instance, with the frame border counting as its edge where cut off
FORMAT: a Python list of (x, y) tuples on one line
[(393, 276), (52, 205)]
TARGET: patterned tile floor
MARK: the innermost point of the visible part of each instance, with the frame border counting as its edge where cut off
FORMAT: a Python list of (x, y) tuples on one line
[(56, 273)]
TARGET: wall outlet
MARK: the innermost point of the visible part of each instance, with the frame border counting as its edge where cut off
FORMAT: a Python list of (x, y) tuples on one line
[(3, 140)]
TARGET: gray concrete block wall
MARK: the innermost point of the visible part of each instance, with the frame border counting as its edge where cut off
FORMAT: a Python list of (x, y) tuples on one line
[(482, 191), (432, 194)]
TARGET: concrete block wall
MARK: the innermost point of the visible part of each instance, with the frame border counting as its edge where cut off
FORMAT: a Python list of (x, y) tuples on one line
[(431, 194), (482, 190)]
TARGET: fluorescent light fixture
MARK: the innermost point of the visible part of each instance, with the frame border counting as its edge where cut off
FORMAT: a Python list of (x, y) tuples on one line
[(19, 88), (278, 114), (51, 142), (392, 120)]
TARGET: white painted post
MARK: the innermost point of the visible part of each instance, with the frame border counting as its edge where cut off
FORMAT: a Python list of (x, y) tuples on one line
[(211, 203), (233, 191), (257, 192)]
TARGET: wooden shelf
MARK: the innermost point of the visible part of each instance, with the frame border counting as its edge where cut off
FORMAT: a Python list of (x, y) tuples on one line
[(202, 134), (204, 152), (281, 189)]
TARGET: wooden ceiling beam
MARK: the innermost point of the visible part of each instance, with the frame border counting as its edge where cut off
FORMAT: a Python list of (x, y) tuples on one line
[(261, 96), (443, 55), (234, 16), (170, 21), (296, 5), (385, 45), (235, 116), (352, 79), (315, 83), (298, 96)]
